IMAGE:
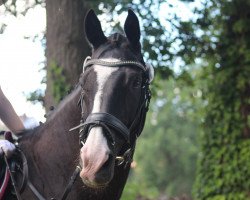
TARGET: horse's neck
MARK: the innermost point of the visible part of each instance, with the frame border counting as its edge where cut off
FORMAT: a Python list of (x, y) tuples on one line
[(53, 154), (56, 130), (52, 151)]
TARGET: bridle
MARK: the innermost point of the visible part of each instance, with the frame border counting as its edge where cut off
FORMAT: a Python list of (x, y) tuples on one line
[(108, 121)]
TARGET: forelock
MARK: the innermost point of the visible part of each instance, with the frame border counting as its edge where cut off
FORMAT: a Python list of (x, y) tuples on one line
[(118, 47)]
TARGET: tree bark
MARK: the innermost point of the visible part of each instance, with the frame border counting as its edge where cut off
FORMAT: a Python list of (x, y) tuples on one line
[(66, 47)]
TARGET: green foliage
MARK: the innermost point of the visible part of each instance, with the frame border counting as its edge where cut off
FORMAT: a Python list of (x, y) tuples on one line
[(135, 189), (224, 164), (36, 97), (60, 87), (16, 8)]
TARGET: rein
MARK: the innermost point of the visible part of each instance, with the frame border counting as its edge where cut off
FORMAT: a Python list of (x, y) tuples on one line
[(20, 165), (27, 182)]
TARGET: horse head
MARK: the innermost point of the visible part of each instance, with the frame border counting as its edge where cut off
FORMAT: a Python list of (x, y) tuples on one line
[(114, 100)]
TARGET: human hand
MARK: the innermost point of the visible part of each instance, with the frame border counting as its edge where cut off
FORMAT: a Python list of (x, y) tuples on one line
[(7, 148)]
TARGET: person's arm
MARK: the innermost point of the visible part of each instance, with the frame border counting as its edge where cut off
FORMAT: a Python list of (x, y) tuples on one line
[(9, 116)]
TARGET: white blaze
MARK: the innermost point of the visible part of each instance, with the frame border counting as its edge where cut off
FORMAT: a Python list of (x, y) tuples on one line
[(95, 152), (103, 73)]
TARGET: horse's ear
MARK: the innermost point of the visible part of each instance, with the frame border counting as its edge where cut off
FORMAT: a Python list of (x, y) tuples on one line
[(132, 28), (93, 30)]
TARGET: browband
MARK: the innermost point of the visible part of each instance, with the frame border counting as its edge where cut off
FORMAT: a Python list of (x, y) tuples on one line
[(88, 62)]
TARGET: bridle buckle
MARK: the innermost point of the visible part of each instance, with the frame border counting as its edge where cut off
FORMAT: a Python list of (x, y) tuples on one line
[(126, 158)]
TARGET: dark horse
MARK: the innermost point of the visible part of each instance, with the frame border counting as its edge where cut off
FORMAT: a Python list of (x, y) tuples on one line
[(110, 102)]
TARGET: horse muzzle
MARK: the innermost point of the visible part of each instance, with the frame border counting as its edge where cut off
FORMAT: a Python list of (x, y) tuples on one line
[(97, 160)]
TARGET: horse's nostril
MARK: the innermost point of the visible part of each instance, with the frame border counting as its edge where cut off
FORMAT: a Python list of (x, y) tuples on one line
[(105, 174)]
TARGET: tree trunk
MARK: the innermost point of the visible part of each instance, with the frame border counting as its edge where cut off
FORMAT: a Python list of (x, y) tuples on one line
[(66, 47)]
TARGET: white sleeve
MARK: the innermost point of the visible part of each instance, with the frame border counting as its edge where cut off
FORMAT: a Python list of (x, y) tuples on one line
[(7, 147)]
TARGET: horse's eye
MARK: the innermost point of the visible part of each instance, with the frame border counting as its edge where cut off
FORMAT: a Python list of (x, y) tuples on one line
[(137, 82)]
